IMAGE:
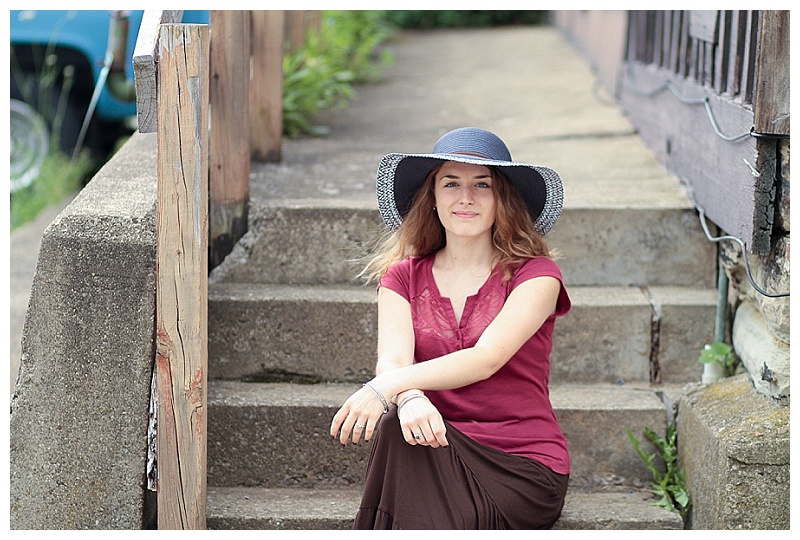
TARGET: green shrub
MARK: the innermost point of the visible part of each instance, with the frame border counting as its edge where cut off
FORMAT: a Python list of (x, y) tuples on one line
[(59, 176), (345, 51), (348, 50)]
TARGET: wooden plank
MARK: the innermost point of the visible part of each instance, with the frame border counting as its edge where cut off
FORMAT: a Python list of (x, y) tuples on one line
[(749, 56), (721, 176), (634, 32), (684, 48), (266, 85), (668, 26), (296, 28), (675, 49), (229, 151), (658, 38), (722, 60), (630, 38), (145, 57), (738, 28), (182, 275), (708, 64), (772, 90), (703, 25), (693, 64), (648, 36)]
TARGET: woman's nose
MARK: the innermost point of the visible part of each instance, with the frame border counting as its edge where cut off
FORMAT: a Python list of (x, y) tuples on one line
[(467, 197)]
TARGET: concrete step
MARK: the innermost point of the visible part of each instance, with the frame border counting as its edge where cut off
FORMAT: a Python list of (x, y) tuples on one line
[(316, 241), (273, 333), (275, 435), (242, 508)]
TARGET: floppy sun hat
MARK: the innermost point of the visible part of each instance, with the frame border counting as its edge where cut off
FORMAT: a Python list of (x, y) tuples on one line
[(401, 175)]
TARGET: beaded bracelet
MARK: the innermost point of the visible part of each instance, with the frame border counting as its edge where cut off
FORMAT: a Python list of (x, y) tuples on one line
[(380, 396), (409, 398)]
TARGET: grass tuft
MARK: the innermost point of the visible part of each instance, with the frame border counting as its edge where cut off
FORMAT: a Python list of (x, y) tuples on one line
[(59, 177)]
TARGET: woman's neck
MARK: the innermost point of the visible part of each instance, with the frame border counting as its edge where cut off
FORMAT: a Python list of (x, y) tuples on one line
[(474, 256)]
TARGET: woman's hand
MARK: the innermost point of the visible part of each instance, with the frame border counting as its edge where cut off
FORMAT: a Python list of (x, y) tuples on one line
[(358, 416), (421, 421)]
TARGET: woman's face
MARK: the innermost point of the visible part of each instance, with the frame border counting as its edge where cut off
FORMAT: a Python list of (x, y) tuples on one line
[(465, 200)]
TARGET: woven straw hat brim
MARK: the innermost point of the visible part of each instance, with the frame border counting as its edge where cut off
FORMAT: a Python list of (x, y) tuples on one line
[(400, 176)]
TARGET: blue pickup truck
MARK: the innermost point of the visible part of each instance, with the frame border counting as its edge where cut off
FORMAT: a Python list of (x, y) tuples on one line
[(71, 82)]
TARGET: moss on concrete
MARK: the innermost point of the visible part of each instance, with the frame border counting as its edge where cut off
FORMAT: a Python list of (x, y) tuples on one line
[(734, 446)]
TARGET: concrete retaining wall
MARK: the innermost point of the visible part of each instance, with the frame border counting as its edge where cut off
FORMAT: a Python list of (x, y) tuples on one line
[(734, 446), (80, 409)]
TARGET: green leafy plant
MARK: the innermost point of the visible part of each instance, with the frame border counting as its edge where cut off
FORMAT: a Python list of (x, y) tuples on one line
[(58, 177), (721, 354), (668, 483), (320, 75)]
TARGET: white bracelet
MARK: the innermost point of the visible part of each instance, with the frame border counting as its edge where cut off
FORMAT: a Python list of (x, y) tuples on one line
[(380, 396), (409, 398)]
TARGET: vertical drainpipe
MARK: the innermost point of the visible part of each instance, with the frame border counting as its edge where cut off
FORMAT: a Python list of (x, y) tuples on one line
[(112, 76), (118, 83), (712, 371)]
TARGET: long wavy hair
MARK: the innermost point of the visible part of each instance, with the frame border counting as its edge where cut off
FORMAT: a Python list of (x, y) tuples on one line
[(422, 234)]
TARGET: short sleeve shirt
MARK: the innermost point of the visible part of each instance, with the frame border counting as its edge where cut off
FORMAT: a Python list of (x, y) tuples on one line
[(511, 410)]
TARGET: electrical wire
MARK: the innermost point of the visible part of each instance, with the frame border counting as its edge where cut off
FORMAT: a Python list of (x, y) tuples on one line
[(744, 256), (705, 101)]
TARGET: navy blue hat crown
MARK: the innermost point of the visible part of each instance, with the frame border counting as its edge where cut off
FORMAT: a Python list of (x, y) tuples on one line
[(471, 140)]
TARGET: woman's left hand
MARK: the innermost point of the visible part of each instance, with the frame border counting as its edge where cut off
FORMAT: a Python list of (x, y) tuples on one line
[(357, 417)]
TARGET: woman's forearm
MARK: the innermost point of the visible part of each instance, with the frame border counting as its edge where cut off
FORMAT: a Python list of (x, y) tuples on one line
[(525, 310), (385, 366), (454, 370)]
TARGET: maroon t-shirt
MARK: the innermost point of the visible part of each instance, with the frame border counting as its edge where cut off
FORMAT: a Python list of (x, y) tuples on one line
[(511, 410)]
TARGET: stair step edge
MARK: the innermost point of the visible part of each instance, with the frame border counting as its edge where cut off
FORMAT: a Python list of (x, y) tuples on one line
[(573, 396), (285, 508)]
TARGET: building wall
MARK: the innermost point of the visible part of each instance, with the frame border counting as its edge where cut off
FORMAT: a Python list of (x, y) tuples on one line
[(733, 435)]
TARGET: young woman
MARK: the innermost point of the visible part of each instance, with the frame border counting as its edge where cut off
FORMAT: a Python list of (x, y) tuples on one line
[(467, 303)]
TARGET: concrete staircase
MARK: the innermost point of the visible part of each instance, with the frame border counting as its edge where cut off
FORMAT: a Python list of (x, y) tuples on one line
[(291, 336)]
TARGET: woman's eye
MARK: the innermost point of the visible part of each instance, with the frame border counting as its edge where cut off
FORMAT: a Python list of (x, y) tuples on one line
[(450, 184), (483, 185)]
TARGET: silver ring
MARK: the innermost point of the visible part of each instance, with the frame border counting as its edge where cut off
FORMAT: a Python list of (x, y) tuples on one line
[(360, 426), (416, 436)]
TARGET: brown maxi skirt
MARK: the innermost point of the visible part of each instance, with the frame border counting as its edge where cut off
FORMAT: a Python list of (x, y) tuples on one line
[(465, 485)]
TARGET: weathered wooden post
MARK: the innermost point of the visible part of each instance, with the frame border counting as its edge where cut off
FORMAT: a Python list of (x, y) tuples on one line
[(229, 153), (266, 90), (296, 28), (145, 66), (771, 101), (182, 275)]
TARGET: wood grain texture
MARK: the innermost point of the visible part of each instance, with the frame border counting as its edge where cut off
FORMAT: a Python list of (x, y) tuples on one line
[(266, 91), (229, 152), (772, 88), (145, 58), (721, 176), (182, 275)]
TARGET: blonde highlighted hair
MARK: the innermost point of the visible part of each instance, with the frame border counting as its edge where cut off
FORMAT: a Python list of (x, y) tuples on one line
[(422, 234)]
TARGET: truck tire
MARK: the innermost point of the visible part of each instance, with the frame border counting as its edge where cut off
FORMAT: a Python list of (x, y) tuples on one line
[(66, 120), (30, 143)]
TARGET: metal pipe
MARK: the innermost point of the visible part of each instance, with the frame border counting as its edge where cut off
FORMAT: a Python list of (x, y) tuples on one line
[(98, 87), (118, 83), (713, 371), (113, 73)]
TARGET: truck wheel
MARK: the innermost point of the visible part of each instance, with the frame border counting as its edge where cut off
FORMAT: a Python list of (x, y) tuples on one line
[(30, 143), (66, 117)]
